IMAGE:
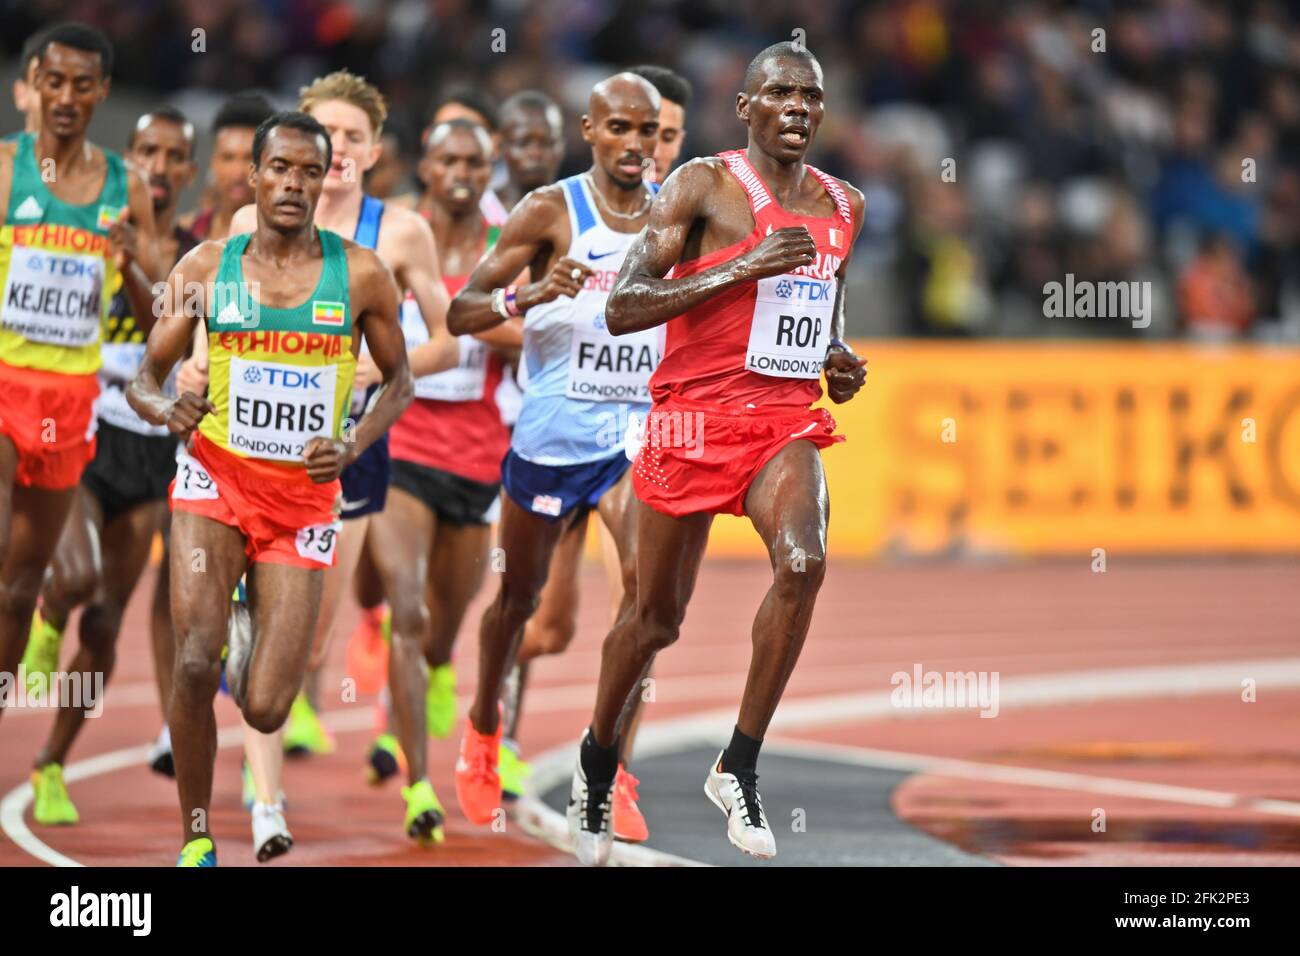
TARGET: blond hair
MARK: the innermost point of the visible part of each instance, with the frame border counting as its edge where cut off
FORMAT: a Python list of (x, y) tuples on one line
[(350, 88)]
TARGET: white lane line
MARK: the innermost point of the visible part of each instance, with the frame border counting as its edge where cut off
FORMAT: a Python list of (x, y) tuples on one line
[(1024, 776), (556, 765)]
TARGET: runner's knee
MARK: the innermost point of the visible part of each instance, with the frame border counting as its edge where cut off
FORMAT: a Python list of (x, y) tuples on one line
[(799, 574), (18, 595), (410, 616), (549, 637), (197, 671), (72, 584), (267, 711), (656, 629)]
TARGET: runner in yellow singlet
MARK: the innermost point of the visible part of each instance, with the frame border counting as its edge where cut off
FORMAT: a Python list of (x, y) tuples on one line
[(257, 485), (63, 209)]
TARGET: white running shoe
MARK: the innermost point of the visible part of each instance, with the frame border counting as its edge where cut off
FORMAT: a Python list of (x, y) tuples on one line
[(160, 754), (738, 798), (271, 837), (591, 824), (239, 639)]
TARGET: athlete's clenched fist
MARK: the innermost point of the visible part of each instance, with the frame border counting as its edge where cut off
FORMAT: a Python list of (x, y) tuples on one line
[(186, 412), (326, 458), (845, 374)]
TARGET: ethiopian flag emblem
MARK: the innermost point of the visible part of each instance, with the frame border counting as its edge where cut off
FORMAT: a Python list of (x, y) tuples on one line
[(107, 217), (326, 313)]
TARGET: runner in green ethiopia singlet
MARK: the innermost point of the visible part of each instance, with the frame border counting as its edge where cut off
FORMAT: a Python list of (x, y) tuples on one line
[(278, 377), (55, 265)]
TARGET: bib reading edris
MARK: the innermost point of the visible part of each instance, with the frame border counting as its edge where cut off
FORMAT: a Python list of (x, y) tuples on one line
[(278, 377)]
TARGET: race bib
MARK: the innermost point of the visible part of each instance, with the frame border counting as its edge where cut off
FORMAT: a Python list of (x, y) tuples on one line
[(53, 297), (276, 409), (791, 327), (607, 368), (465, 382), (317, 542), (193, 483), (121, 361)]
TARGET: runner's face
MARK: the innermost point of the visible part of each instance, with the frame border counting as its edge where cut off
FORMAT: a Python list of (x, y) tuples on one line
[(532, 147), (289, 180), (672, 132), (232, 154), (71, 84), (162, 155), (623, 136), (353, 139), (458, 169), (785, 111)]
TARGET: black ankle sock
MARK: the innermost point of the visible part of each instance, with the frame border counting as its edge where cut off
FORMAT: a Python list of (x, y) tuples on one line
[(741, 753), (600, 764)]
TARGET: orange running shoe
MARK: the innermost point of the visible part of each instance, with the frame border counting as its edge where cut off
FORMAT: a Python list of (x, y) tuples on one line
[(629, 825), (478, 785), (368, 649)]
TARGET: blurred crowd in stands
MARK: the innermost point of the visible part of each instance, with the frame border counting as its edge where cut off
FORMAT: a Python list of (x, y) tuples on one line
[(1001, 144)]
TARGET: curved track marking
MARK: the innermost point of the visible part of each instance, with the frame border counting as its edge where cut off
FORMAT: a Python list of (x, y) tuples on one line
[(555, 766)]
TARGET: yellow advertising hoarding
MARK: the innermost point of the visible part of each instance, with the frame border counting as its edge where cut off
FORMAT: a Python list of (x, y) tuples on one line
[(1057, 449)]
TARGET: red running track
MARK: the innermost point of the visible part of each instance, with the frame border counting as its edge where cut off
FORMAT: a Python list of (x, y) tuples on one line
[(1214, 623)]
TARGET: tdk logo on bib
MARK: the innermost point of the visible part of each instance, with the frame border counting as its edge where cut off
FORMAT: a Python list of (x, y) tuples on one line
[(275, 409), (65, 266), (804, 290), (277, 377)]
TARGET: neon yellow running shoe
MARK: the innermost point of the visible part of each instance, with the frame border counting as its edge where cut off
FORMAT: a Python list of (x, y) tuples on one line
[(198, 852), (303, 732), (52, 806), (424, 814), (42, 653), (513, 772), (440, 701), (384, 759)]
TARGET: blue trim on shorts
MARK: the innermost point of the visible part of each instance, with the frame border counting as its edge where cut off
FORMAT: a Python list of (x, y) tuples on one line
[(365, 482), (553, 491)]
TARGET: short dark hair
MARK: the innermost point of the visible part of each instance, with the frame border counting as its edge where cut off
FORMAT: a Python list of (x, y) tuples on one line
[(32, 49), (787, 48), (79, 36), (291, 119), (458, 123), (476, 99), (243, 109), (670, 84), (531, 100), (172, 115)]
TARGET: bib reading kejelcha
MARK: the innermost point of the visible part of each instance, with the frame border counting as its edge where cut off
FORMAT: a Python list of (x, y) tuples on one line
[(56, 268), (278, 377)]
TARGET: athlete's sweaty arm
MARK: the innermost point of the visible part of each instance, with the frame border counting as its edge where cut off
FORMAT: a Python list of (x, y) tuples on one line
[(135, 246), (537, 227), (408, 245), (177, 318), (642, 298), (374, 305)]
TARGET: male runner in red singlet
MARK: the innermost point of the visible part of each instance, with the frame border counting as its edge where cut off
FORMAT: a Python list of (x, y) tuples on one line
[(430, 544), (757, 241)]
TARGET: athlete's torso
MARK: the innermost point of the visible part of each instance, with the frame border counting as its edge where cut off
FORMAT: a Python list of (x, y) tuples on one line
[(278, 376), (584, 385), (123, 351), (763, 342), (56, 268)]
